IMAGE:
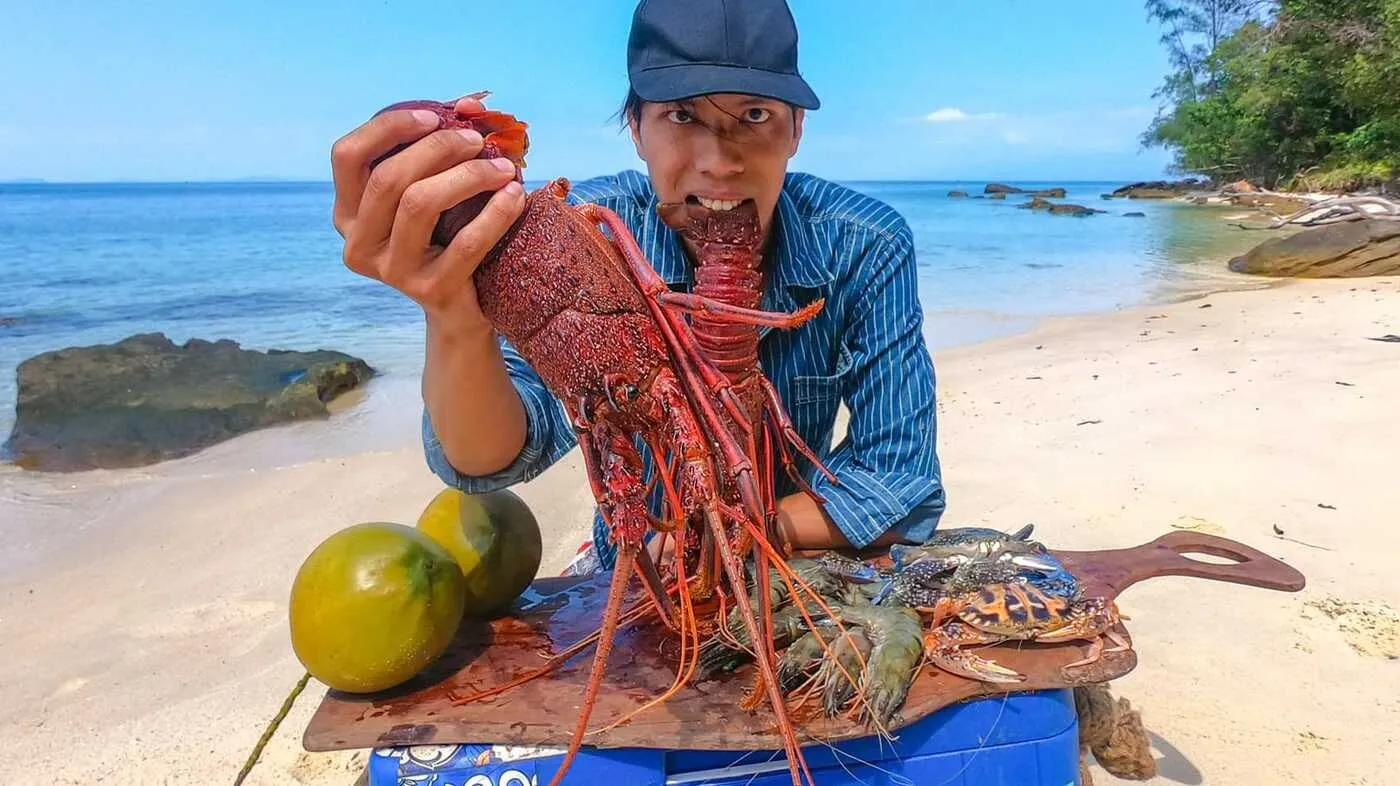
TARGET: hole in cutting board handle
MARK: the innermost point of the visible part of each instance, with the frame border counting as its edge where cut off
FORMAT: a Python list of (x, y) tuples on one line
[(1209, 559)]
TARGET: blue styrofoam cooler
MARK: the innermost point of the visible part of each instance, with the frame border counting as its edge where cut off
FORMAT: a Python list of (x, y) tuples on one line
[(1024, 739)]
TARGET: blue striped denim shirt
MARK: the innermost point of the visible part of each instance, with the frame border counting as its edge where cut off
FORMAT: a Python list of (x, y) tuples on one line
[(865, 348)]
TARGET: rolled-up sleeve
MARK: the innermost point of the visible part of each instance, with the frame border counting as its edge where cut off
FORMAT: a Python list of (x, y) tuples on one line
[(548, 434), (888, 463)]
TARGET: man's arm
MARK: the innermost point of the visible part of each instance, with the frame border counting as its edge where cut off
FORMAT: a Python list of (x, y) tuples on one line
[(806, 526), (479, 432), (489, 421), (545, 435), (890, 479)]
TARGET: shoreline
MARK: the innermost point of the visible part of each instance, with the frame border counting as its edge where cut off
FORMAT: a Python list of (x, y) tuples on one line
[(384, 418), (1220, 413)]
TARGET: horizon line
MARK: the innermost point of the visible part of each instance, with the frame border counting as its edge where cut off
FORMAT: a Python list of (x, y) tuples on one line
[(36, 181)]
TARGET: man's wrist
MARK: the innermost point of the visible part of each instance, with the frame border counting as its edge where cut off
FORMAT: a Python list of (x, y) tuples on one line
[(454, 330)]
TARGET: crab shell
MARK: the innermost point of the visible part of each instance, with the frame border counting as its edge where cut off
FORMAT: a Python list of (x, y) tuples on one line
[(1022, 610)]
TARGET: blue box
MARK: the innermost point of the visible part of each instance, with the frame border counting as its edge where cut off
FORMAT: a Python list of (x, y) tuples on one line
[(1025, 739)]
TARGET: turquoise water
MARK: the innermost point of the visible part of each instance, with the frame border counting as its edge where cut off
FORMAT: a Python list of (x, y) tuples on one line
[(260, 263)]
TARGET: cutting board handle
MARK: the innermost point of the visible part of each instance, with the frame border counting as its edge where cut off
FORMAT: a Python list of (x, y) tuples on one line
[(1165, 556)]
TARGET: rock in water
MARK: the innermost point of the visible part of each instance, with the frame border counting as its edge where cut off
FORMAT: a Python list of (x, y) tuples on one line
[(1368, 247), (1059, 209), (145, 399), (1159, 189)]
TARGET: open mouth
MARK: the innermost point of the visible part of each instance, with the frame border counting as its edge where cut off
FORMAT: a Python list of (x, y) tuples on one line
[(714, 204)]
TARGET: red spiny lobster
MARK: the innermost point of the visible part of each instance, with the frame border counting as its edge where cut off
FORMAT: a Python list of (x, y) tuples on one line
[(605, 334), (729, 278)]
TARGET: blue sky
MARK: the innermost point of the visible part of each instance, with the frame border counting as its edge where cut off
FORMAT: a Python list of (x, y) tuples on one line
[(911, 89)]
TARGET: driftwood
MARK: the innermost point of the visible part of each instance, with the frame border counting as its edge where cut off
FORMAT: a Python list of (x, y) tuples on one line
[(1336, 210)]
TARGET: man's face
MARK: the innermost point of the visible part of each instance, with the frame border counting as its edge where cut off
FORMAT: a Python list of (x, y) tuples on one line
[(719, 149)]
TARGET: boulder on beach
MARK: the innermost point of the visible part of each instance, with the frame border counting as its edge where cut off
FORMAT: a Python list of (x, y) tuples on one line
[(146, 399), (1279, 203), (1369, 247)]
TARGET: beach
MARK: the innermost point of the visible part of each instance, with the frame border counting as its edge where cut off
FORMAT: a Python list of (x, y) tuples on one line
[(148, 640)]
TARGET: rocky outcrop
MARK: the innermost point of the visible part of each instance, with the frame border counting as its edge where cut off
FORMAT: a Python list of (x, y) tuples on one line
[(1370, 247), (146, 399), (956, 194), (1159, 189), (1002, 188)]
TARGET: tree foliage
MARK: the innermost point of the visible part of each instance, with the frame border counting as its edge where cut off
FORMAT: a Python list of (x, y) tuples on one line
[(1285, 93)]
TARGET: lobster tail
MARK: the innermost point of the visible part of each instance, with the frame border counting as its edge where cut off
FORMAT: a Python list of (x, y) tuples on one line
[(503, 136)]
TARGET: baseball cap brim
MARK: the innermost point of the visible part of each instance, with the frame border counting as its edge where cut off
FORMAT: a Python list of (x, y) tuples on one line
[(676, 82)]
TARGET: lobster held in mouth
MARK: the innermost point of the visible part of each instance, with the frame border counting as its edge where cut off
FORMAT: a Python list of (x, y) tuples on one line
[(607, 337)]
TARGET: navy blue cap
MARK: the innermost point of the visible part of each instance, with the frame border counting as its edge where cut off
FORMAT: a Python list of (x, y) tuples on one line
[(684, 48)]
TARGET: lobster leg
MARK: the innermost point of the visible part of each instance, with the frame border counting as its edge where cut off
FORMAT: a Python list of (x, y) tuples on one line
[(766, 667), (692, 362), (775, 408), (695, 476), (609, 455), (725, 312)]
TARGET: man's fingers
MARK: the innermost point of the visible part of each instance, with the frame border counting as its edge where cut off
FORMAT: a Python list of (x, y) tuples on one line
[(471, 102), (428, 156), (351, 155), (456, 264), (423, 202)]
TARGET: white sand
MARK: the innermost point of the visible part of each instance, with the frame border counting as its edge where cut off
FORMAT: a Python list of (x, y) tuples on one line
[(143, 630)]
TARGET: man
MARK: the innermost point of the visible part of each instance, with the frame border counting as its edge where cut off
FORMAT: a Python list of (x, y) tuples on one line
[(716, 110)]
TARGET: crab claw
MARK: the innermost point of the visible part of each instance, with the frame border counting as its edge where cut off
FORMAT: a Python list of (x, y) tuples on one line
[(1040, 563), (945, 651), (965, 664)]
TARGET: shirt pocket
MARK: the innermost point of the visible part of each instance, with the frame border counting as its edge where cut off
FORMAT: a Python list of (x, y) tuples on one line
[(823, 388)]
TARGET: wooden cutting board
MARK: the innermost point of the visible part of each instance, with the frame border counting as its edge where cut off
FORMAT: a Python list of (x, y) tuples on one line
[(556, 612)]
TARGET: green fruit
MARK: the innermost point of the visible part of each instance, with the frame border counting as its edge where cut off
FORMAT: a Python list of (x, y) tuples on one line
[(495, 539), (373, 605)]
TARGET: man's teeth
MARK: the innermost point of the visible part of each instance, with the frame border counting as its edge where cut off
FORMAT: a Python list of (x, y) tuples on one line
[(719, 204)]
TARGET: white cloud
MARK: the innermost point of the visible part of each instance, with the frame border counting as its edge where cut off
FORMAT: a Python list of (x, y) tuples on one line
[(952, 114), (1086, 130)]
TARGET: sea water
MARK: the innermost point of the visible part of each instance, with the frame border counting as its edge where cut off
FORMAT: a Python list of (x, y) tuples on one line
[(260, 263)]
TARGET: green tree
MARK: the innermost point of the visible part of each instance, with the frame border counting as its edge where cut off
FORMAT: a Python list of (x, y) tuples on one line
[(1294, 92)]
